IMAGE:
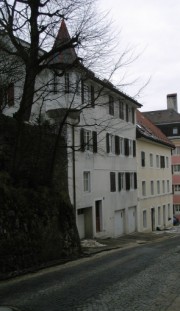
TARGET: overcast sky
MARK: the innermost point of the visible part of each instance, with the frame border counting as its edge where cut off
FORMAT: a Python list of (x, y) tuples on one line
[(151, 26)]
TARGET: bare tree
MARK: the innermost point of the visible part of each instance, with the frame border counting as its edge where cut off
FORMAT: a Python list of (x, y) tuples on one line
[(37, 23)]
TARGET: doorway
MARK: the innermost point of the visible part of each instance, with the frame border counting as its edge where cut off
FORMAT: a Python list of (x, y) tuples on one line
[(98, 211)]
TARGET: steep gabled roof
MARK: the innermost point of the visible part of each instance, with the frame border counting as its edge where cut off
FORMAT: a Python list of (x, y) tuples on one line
[(145, 128), (67, 56), (167, 116)]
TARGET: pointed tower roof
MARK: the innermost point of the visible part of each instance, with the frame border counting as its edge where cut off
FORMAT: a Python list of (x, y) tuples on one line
[(67, 56)]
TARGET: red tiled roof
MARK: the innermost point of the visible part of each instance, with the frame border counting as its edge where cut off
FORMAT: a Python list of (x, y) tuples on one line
[(150, 131)]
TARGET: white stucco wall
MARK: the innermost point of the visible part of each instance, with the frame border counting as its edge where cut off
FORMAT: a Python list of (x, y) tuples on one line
[(162, 218)]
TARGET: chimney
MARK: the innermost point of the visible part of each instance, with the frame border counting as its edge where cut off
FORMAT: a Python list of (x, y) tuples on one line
[(172, 101)]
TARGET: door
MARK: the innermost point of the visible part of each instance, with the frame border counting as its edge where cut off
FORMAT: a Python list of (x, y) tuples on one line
[(132, 219), (153, 219), (119, 222), (98, 212)]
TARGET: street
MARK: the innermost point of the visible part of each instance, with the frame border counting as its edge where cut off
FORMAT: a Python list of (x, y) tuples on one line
[(143, 278)]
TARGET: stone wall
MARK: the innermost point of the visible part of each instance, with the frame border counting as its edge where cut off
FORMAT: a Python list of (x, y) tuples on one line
[(37, 223)]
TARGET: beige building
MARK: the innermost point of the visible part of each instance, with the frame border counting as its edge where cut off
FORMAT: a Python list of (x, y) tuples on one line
[(155, 200)]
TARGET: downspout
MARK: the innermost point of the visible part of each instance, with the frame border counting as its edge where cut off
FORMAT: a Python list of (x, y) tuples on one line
[(74, 170)]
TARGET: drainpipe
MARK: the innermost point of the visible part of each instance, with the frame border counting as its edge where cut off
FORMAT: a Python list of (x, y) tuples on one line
[(74, 170)]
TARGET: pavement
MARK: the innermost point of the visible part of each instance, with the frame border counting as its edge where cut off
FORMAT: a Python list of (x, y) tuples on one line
[(91, 247), (95, 246)]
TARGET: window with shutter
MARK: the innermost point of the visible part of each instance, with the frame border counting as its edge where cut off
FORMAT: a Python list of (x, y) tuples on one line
[(127, 113), (135, 180), (82, 144), (127, 181), (92, 96), (95, 142), (143, 158), (107, 143), (111, 105), (82, 92), (126, 146), (117, 146), (112, 181), (67, 82), (134, 148)]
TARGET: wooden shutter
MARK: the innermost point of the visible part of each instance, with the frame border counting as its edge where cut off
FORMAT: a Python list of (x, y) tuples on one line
[(127, 181), (112, 181), (117, 145), (94, 142), (107, 143), (82, 92), (82, 144), (127, 113), (135, 180), (119, 182), (92, 96), (134, 148), (126, 146)]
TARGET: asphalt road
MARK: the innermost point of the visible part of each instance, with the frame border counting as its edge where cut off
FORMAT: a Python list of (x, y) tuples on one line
[(141, 278)]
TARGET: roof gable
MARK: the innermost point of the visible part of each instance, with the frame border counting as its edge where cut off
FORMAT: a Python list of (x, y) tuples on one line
[(150, 131)]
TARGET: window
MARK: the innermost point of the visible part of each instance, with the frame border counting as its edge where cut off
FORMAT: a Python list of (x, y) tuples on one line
[(88, 140), (121, 110), (175, 130), (168, 186), (144, 219), (162, 161), (130, 143), (87, 182), (78, 82), (67, 82), (159, 215), (121, 145), (133, 180), (167, 162), (143, 188), (133, 115), (121, 181), (92, 96), (128, 184), (112, 181), (142, 158), (163, 186), (126, 146), (176, 168), (152, 187), (176, 188), (151, 159), (169, 212), (55, 83), (127, 113), (157, 161), (111, 143), (177, 208), (176, 150), (111, 105), (158, 187), (7, 96)]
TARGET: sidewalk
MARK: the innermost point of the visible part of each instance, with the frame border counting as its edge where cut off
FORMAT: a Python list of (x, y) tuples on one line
[(94, 246)]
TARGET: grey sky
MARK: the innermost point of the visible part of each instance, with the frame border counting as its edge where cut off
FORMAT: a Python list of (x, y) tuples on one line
[(152, 26)]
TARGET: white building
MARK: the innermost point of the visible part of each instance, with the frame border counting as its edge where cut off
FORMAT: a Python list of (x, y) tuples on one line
[(155, 199), (101, 138)]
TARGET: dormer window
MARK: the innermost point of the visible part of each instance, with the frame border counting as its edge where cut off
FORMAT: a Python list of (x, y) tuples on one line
[(175, 130)]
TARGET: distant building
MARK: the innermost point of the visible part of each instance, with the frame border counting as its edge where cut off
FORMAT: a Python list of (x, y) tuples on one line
[(169, 123), (155, 208)]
